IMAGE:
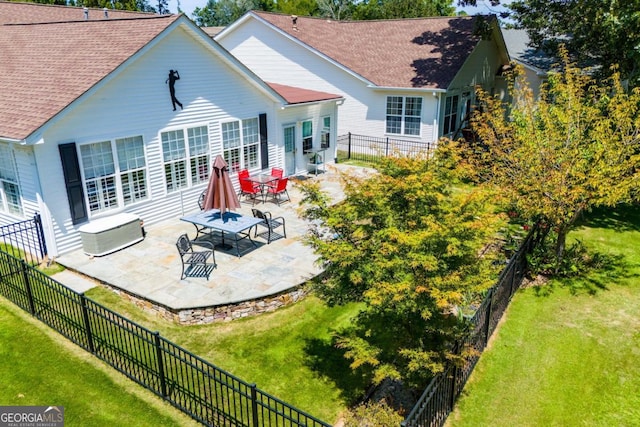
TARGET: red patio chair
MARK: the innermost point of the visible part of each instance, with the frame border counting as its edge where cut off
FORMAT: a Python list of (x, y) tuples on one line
[(277, 172), (248, 189), (279, 190)]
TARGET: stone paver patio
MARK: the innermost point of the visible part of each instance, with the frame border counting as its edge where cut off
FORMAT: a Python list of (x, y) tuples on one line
[(262, 279)]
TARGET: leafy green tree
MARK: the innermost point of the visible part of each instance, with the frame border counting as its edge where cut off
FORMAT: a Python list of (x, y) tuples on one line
[(225, 12), (407, 245), (392, 9), (574, 148), (298, 7), (336, 9), (596, 32)]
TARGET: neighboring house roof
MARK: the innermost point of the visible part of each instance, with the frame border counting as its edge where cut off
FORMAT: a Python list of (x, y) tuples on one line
[(51, 56), (403, 53), (517, 42), (16, 13), (296, 95), (212, 31)]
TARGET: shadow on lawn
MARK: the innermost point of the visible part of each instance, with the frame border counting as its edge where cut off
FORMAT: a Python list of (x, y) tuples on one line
[(327, 360), (594, 270), (620, 218)]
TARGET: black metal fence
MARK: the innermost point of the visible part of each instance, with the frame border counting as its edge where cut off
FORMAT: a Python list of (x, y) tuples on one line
[(439, 397), (191, 384), (371, 148), (24, 240)]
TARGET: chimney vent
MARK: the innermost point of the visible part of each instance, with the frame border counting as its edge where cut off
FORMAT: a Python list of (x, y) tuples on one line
[(294, 21), (106, 13), (86, 13)]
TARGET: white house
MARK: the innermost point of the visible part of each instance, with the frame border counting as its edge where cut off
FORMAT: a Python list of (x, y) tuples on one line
[(535, 62), (410, 79), (92, 124)]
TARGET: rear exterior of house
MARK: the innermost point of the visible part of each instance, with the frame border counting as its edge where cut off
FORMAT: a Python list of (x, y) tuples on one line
[(118, 145), (411, 79)]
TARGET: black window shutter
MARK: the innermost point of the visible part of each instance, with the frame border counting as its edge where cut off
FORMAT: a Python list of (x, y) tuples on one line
[(73, 182), (264, 141)]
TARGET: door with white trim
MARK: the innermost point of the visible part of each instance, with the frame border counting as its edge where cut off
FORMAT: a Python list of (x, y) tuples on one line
[(290, 149)]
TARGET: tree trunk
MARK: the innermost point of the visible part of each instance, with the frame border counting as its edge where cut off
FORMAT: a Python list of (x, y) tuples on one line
[(561, 243)]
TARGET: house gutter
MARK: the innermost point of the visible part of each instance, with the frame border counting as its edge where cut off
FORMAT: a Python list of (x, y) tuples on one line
[(14, 141), (407, 89), (299, 104)]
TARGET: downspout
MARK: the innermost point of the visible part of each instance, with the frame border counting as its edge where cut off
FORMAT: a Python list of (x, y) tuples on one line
[(436, 119)]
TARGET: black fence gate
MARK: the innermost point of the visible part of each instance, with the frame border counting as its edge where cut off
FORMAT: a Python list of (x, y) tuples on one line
[(25, 240)]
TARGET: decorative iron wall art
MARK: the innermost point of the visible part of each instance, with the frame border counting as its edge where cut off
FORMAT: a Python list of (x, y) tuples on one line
[(171, 80)]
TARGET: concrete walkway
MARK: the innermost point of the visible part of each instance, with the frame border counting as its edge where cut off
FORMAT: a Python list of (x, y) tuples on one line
[(150, 269)]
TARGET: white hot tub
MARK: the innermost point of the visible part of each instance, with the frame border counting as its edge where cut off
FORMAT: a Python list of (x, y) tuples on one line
[(106, 235)]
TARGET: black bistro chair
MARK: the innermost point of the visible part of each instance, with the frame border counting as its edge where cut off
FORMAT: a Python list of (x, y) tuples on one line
[(195, 263), (271, 224)]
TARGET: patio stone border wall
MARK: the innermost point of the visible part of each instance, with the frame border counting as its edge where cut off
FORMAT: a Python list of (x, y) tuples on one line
[(222, 313)]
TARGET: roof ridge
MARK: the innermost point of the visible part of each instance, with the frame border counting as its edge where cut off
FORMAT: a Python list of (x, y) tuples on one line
[(364, 21), (86, 21), (60, 6)]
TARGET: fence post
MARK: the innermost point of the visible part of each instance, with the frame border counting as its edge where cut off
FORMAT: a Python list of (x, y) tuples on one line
[(42, 245), (386, 148), (487, 318), (163, 382), (349, 146), (87, 324), (27, 286), (254, 404), (454, 380)]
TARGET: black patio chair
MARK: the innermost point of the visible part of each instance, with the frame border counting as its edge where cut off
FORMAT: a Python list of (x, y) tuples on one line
[(203, 196), (271, 224), (195, 263)]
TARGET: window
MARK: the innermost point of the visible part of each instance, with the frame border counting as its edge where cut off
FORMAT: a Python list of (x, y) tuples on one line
[(450, 114), (186, 163), (404, 115), (99, 176), (115, 174), (307, 136), (10, 200), (132, 166), (241, 144), (325, 134)]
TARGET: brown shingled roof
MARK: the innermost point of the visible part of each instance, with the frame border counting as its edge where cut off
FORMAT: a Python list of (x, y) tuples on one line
[(296, 95), (25, 13), (405, 53), (44, 68)]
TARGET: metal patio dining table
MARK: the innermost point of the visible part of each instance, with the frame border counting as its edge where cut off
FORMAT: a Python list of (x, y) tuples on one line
[(230, 223)]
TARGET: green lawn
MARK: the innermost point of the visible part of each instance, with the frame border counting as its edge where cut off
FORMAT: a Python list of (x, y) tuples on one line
[(568, 355), (287, 353), (40, 367)]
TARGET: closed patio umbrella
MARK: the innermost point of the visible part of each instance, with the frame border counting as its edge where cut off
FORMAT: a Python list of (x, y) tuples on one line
[(220, 192)]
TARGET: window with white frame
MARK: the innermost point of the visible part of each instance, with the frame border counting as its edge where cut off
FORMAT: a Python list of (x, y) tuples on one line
[(241, 143), (307, 135), (10, 199), (325, 133), (186, 163), (450, 114), (133, 169), (404, 115), (115, 173)]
